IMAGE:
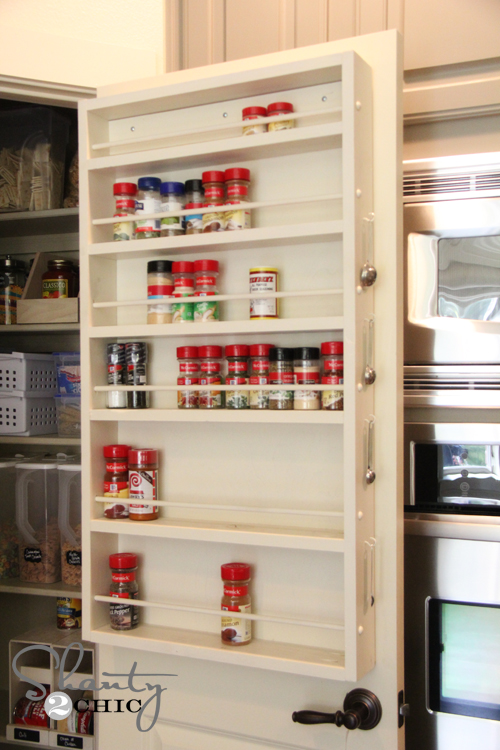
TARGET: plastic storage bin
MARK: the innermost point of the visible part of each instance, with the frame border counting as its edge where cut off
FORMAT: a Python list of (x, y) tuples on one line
[(32, 159), (27, 416), (70, 522), (29, 375), (68, 372), (68, 416)]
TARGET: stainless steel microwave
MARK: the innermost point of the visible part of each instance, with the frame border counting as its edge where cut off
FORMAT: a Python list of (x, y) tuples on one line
[(452, 260)]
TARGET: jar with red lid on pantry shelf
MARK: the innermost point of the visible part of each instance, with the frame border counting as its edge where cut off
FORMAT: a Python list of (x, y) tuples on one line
[(235, 631), (280, 108), (116, 480), (143, 484), (183, 273), (210, 374), (189, 374), (259, 375), (237, 374), (123, 616), (214, 185), (237, 191), (254, 113), (333, 374), (205, 274), (124, 193)]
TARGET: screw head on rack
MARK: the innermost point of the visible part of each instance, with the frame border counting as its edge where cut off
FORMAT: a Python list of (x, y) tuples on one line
[(358, 105)]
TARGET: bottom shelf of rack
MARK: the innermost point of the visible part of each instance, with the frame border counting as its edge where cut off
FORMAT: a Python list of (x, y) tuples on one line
[(278, 657)]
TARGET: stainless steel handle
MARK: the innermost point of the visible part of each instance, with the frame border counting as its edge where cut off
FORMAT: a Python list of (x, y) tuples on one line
[(370, 473), (368, 274), (370, 374), (369, 574)]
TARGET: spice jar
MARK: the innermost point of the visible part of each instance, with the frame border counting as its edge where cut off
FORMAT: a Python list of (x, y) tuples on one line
[(280, 108), (237, 187), (58, 280), (253, 113), (332, 400), (259, 375), (210, 374), (136, 356), (143, 484), (194, 191), (236, 631), (189, 369), (116, 480), (194, 222), (332, 354), (214, 187), (183, 273), (12, 281), (263, 279), (172, 199), (117, 375), (124, 193), (160, 284), (206, 273), (281, 373), (148, 201), (237, 374), (306, 371), (123, 586)]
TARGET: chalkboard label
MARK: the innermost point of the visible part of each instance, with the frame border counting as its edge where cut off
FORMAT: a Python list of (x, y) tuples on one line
[(32, 554), (74, 557), (26, 735), (66, 740)]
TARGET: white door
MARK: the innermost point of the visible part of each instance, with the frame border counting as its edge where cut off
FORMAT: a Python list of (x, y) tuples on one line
[(350, 573)]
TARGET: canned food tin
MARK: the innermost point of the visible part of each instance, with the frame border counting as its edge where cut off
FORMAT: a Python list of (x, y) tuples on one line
[(69, 613), (263, 279)]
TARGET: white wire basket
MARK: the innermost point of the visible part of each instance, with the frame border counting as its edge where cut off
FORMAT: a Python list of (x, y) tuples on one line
[(29, 375), (27, 416)]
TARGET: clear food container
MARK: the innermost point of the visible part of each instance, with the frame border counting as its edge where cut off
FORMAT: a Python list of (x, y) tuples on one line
[(70, 522)]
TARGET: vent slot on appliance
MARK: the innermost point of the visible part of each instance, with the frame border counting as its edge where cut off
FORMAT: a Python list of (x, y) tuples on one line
[(428, 183)]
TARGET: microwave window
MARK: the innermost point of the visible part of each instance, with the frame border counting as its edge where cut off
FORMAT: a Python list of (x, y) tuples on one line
[(469, 278), (464, 658)]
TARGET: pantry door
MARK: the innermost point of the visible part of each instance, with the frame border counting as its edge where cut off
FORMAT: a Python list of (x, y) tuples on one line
[(213, 705)]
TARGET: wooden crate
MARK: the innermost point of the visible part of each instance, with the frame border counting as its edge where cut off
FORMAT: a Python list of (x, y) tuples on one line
[(32, 309)]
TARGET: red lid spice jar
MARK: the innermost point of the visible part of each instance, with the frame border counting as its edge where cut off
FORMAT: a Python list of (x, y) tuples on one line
[(254, 113), (123, 586), (237, 374), (234, 630), (124, 193), (259, 375), (237, 189), (332, 354), (116, 480), (210, 374), (280, 108), (189, 374), (206, 272), (143, 484), (183, 273), (214, 186)]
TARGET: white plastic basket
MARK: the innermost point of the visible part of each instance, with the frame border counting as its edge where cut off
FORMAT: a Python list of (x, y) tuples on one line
[(32, 375), (27, 416)]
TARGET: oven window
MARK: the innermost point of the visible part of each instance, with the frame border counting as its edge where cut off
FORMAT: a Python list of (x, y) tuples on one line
[(464, 658), (469, 278)]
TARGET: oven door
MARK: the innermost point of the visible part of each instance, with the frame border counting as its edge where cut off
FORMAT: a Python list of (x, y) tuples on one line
[(452, 289)]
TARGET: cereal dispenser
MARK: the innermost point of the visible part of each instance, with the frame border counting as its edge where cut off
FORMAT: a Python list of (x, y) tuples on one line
[(70, 522), (9, 535)]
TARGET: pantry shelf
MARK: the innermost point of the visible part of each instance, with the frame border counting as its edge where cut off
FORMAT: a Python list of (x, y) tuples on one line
[(30, 223), (16, 586), (233, 416), (52, 439), (215, 153), (318, 540), (272, 655), (289, 234), (219, 328), (42, 328)]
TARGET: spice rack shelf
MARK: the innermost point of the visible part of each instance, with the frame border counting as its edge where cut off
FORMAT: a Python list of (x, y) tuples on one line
[(218, 415)]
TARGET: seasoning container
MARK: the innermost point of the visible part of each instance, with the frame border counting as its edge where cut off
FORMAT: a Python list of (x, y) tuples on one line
[(116, 480), (117, 375), (306, 371), (194, 222), (237, 374), (206, 273), (143, 484), (124, 193), (281, 373), (183, 273), (237, 189), (12, 281), (189, 374), (332, 355), (253, 113), (123, 586), (69, 613), (172, 199), (194, 191), (160, 284), (136, 357), (148, 201), (235, 631), (214, 187), (263, 279), (58, 280), (210, 374), (259, 375), (280, 108), (332, 400)]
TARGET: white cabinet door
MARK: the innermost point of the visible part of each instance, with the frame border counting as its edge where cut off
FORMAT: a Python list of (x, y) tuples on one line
[(328, 615)]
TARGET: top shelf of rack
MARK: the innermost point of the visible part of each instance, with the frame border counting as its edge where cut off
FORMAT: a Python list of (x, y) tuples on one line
[(28, 223)]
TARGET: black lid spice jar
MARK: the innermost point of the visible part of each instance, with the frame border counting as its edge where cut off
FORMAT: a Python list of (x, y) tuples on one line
[(281, 373), (136, 355), (123, 586)]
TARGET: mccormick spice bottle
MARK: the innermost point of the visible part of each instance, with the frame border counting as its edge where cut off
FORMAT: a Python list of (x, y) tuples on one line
[(189, 374), (143, 484), (214, 187), (116, 480), (234, 630), (124, 193), (259, 375), (237, 188), (281, 373), (237, 374), (183, 273), (253, 113), (210, 374), (280, 108), (123, 586), (333, 374), (206, 273)]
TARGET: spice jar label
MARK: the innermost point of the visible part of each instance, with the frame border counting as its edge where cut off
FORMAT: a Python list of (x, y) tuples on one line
[(281, 378), (189, 367), (237, 219), (172, 222), (281, 125), (233, 629), (123, 616), (160, 290), (54, 288), (115, 489), (260, 365), (148, 206), (214, 222), (142, 484), (123, 230), (237, 366), (205, 312)]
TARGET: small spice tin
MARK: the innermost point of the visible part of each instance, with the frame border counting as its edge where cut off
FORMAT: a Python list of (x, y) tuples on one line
[(263, 279)]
